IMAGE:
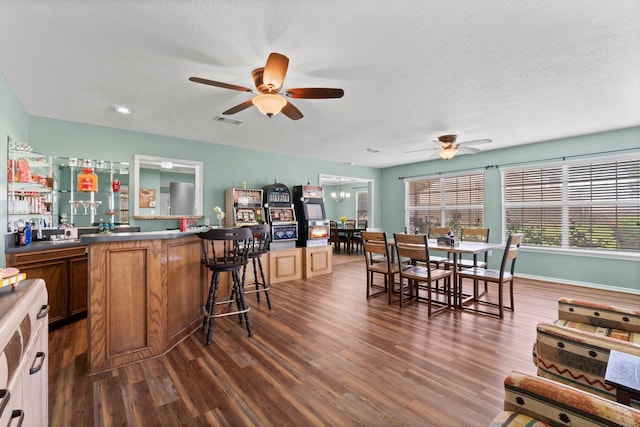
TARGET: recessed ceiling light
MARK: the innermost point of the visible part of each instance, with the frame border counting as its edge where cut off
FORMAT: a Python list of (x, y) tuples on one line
[(121, 109)]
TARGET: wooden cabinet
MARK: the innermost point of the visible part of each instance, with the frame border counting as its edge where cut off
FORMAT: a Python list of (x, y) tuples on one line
[(285, 264), (24, 354), (317, 260), (64, 271)]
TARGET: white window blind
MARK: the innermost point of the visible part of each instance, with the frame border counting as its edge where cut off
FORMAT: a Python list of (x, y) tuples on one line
[(445, 201), (586, 205)]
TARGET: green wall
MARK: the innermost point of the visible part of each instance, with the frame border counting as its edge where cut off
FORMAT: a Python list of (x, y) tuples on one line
[(606, 271), (224, 166)]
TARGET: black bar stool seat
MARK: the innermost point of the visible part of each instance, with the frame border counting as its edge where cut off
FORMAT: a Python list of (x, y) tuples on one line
[(225, 250)]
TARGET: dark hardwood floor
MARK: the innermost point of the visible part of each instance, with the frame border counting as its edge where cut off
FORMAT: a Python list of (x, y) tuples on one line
[(325, 355)]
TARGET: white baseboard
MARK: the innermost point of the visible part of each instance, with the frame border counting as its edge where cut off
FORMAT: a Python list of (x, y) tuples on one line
[(583, 284)]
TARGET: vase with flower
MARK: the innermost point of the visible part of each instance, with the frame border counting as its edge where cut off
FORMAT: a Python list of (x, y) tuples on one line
[(219, 214), (343, 219)]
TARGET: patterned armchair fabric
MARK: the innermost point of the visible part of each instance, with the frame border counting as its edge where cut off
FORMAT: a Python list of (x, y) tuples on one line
[(575, 348), (533, 401)]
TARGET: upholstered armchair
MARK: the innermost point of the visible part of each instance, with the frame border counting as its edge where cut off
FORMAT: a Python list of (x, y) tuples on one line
[(534, 401), (575, 348)]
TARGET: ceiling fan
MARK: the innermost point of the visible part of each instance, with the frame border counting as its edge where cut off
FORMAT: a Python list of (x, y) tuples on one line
[(449, 147), (270, 100)]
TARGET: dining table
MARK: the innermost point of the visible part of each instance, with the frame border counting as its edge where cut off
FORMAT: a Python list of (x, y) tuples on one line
[(455, 252), (348, 232)]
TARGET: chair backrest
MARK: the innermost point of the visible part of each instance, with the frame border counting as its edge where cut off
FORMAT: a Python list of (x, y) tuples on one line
[(225, 248), (260, 239), (435, 232), (376, 247), (511, 252), (362, 223), (333, 223), (474, 234), (350, 223), (411, 246)]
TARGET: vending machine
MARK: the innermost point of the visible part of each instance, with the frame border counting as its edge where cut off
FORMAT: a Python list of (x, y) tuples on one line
[(280, 215), (308, 201), (244, 207)]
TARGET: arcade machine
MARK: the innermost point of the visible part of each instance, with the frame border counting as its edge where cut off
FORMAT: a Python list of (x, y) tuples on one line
[(244, 207), (308, 201), (280, 216)]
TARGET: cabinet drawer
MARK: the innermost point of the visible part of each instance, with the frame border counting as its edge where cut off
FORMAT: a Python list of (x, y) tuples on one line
[(38, 256)]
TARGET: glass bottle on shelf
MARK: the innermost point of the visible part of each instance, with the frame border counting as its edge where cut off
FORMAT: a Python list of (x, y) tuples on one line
[(87, 180)]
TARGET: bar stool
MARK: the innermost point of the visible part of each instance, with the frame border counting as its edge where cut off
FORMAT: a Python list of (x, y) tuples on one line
[(258, 245), (225, 250)]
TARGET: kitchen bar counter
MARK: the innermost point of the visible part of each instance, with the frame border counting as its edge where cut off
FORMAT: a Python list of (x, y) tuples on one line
[(145, 296)]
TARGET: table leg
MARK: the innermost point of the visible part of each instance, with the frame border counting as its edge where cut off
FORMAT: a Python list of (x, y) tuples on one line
[(457, 288)]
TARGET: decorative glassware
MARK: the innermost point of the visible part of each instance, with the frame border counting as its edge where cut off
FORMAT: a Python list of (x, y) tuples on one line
[(87, 180)]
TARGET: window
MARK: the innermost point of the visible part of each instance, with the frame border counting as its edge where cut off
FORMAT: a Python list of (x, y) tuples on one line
[(362, 205), (585, 205), (445, 201)]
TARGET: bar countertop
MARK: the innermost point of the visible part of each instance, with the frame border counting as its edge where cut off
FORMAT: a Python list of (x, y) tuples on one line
[(141, 235), (87, 239)]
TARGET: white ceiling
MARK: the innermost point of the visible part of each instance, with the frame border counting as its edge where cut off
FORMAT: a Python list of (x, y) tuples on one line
[(513, 71)]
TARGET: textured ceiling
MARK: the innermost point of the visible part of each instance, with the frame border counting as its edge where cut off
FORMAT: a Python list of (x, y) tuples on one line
[(516, 72)]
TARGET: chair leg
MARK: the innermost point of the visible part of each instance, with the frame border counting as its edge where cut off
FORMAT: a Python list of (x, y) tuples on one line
[(501, 300), (513, 307), (242, 306), (264, 283), (255, 279), (211, 306)]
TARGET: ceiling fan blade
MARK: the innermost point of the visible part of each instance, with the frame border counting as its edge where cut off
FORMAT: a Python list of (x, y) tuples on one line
[(239, 107), (422, 149), (291, 111), (314, 93), (219, 84), (275, 71), (468, 150), (476, 141)]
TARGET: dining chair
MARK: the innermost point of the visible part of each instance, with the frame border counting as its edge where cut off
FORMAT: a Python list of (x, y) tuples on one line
[(334, 238), (356, 236), (501, 277), (473, 234), (379, 260), (434, 233), (347, 237), (419, 273)]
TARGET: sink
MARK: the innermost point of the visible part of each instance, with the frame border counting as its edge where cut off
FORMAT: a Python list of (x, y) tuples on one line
[(63, 241)]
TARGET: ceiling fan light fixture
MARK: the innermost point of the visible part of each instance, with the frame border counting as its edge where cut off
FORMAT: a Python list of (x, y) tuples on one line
[(269, 104), (448, 153)]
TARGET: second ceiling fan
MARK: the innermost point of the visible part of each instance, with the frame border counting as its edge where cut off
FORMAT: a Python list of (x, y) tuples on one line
[(449, 147), (270, 100)]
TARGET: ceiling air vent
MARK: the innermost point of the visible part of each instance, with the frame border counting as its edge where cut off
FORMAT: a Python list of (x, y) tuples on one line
[(227, 120)]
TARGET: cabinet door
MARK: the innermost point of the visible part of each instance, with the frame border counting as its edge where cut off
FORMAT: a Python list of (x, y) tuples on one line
[(35, 382), (78, 285), (54, 274)]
